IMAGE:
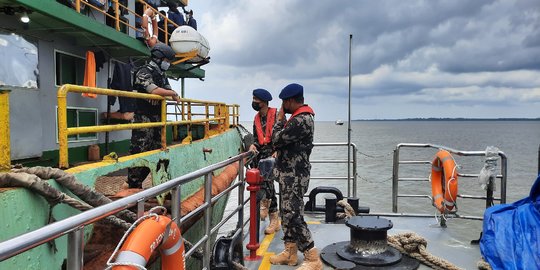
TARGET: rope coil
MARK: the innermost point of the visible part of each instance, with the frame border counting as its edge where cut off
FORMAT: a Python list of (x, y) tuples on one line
[(414, 245)]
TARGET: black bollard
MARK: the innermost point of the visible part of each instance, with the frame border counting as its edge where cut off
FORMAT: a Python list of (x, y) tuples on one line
[(330, 210), (353, 202)]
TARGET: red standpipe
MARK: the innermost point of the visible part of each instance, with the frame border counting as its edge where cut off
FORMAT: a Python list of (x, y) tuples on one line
[(253, 177)]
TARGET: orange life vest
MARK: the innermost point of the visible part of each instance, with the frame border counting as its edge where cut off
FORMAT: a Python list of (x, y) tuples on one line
[(303, 109), (270, 120), (90, 73)]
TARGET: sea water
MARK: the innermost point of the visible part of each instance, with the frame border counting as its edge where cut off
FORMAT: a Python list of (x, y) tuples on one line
[(376, 141)]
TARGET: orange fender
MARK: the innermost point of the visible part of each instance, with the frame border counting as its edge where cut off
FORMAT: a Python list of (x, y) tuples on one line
[(148, 237), (151, 35), (219, 183), (444, 181)]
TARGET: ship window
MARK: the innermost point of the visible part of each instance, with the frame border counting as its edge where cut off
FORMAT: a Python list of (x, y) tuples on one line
[(81, 117), (69, 69), (19, 67)]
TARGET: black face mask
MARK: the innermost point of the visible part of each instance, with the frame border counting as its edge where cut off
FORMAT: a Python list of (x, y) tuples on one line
[(286, 110), (256, 106)]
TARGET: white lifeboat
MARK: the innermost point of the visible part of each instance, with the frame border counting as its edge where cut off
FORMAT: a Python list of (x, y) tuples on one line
[(185, 39)]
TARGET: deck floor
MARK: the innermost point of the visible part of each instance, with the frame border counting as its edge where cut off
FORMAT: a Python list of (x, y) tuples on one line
[(440, 242)]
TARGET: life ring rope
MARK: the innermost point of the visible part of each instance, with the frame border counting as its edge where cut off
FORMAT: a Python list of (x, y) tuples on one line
[(452, 179), (444, 182), (151, 214)]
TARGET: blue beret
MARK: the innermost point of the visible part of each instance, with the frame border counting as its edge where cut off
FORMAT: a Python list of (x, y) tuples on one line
[(291, 90), (262, 94)]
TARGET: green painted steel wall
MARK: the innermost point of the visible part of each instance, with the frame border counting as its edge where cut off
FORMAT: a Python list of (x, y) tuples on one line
[(21, 211)]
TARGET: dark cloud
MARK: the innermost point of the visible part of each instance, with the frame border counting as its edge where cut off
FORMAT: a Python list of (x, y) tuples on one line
[(410, 52)]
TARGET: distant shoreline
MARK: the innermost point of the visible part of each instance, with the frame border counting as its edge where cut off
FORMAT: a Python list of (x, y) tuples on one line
[(453, 119)]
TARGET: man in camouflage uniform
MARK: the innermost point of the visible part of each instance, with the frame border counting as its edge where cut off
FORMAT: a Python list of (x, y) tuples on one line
[(293, 141), (262, 130), (151, 79)]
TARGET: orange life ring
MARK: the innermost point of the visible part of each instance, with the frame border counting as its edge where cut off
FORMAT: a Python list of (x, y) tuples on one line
[(444, 181), (150, 39), (148, 237)]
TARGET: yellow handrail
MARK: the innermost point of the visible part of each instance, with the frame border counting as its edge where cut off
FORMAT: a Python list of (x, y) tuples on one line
[(220, 116), (117, 21)]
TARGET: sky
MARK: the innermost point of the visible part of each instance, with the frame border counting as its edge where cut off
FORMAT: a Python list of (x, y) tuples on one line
[(410, 59)]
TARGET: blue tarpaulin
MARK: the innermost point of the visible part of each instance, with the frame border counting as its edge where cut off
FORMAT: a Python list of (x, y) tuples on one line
[(511, 233)]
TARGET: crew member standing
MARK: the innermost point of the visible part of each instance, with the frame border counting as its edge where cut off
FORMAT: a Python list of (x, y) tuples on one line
[(151, 79), (262, 130), (293, 141), (190, 21)]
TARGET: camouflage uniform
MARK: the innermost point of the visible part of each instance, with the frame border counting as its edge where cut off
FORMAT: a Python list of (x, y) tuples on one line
[(293, 141), (267, 190), (146, 79)]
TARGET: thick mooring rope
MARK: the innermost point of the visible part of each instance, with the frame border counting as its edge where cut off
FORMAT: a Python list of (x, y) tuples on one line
[(415, 246), (349, 211), (52, 195), (82, 191), (347, 208), (238, 266), (483, 265), (32, 178)]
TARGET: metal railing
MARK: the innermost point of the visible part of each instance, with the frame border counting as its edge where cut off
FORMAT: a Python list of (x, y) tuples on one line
[(396, 177), (220, 116), (350, 180), (74, 225), (118, 7)]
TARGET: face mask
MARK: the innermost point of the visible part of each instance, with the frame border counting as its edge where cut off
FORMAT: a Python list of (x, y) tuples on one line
[(256, 106), (165, 65), (286, 110)]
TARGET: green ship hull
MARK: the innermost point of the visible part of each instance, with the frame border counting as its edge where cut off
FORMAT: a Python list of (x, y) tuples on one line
[(23, 210)]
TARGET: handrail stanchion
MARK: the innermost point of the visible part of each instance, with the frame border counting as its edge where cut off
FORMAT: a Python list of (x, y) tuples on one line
[(164, 124), (395, 173), (240, 224), (5, 156), (207, 218), (253, 177), (355, 173), (75, 249), (63, 161), (117, 15), (177, 204)]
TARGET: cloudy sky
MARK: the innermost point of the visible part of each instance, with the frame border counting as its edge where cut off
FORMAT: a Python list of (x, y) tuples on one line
[(455, 58)]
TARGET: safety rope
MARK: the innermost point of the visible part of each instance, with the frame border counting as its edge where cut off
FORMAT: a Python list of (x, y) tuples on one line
[(376, 156), (373, 181), (151, 214), (414, 245)]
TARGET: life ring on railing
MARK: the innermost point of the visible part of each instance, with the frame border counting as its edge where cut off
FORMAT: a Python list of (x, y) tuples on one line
[(155, 233), (444, 181), (150, 39)]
